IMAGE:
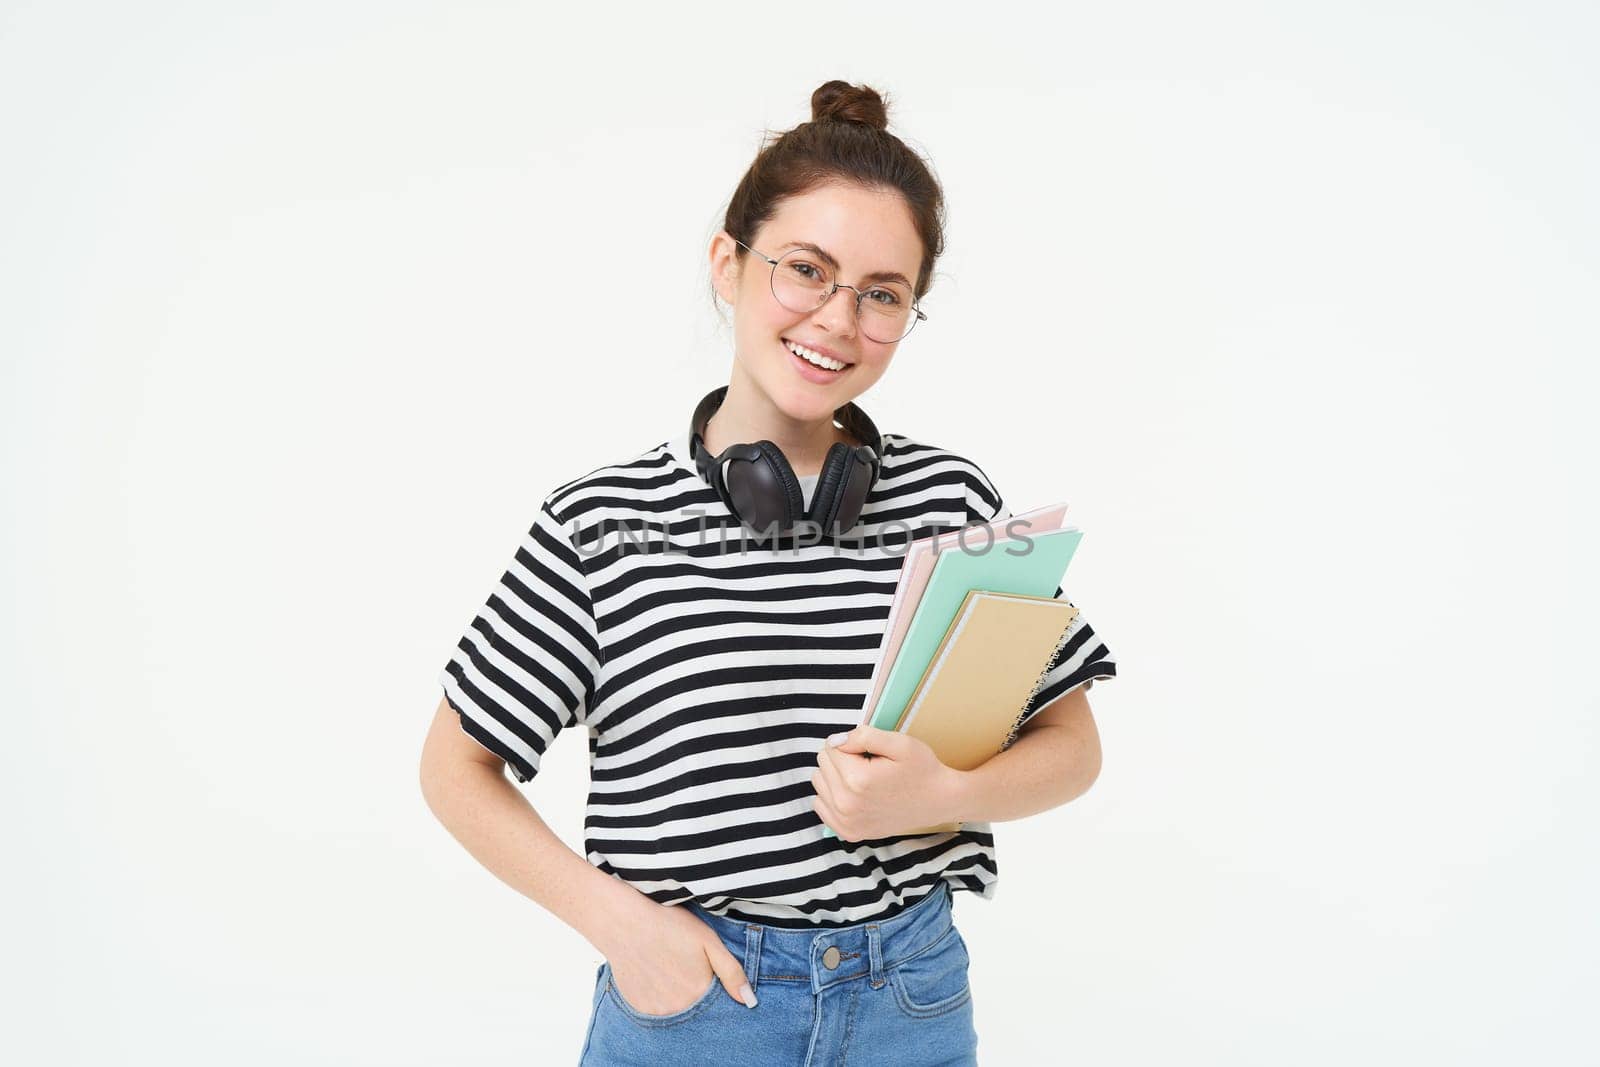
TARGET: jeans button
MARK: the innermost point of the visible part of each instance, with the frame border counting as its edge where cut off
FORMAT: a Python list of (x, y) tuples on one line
[(830, 958)]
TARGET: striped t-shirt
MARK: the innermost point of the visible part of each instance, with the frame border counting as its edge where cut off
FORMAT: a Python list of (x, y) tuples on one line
[(808, 487), (708, 679)]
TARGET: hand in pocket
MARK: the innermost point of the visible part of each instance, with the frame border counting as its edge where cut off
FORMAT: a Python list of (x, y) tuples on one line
[(668, 960)]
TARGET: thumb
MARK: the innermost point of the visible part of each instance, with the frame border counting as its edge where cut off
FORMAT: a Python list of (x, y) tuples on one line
[(734, 980), (868, 739)]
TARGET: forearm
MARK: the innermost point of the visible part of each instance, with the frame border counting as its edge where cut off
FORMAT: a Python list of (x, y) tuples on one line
[(1044, 768), (488, 814)]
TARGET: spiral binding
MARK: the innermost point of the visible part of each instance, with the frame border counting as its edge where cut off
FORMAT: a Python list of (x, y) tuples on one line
[(1016, 724)]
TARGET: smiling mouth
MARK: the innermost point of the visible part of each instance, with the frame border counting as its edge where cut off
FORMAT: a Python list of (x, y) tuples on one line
[(815, 359)]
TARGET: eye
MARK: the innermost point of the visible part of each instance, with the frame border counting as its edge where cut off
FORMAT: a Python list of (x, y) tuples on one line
[(886, 297), (809, 271)]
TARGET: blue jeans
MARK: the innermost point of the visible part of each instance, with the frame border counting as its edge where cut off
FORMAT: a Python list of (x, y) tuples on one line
[(890, 992)]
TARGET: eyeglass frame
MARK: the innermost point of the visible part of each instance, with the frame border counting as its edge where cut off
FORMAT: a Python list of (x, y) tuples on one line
[(772, 285)]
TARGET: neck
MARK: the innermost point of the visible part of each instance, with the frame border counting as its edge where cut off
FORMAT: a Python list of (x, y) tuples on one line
[(747, 414)]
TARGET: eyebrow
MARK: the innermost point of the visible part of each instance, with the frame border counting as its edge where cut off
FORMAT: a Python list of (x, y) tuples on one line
[(875, 276)]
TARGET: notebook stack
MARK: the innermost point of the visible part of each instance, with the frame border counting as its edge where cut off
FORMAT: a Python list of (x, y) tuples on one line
[(975, 626)]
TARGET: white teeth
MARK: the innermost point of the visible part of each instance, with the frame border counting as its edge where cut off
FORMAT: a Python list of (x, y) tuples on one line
[(811, 357)]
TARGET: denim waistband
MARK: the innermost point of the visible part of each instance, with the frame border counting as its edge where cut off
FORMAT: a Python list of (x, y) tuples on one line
[(834, 954)]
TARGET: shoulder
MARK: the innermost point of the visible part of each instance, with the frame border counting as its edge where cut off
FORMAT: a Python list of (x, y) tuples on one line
[(950, 465), (622, 482)]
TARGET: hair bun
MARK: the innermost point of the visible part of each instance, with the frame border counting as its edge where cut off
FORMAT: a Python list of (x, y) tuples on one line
[(839, 101)]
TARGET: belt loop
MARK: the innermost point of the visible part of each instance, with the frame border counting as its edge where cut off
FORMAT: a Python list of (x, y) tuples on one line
[(752, 954), (875, 954)]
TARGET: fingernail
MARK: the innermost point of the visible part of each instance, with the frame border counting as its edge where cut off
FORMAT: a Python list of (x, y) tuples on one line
[(747, 995), (838, 739)]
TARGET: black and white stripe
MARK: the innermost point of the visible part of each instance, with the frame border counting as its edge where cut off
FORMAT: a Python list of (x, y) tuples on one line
[(709, 668)]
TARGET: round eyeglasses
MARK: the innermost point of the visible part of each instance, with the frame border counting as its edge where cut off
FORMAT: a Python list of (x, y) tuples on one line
[(802, 281)]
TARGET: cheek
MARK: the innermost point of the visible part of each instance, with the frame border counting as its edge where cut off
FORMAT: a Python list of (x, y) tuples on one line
[(875, 363), (761, 325)]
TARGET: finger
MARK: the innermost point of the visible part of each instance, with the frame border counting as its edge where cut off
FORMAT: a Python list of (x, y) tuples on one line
[(829, 816), (731, 972), (822, 786), (835, 786), (865, 739)]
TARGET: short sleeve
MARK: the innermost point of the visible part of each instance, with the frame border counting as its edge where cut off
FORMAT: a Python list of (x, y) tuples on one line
[(528, 662), (1082, 657)]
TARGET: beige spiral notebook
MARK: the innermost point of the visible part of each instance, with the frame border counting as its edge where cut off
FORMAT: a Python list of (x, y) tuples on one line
[(969, 704)]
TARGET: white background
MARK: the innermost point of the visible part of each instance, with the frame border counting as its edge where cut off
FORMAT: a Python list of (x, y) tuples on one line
[(303, 310)]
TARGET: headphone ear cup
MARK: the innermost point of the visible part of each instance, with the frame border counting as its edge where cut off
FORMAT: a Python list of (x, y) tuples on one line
[(826, 504), (794, 503)]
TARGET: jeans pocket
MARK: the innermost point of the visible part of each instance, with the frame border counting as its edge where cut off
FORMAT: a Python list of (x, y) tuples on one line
[(934, 979), (645, 1019)]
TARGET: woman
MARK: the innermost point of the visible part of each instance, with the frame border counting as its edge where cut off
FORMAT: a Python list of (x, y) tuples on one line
[(711, 610)]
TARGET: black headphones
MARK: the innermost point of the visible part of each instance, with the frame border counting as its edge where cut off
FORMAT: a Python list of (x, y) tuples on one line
[(761, 488)]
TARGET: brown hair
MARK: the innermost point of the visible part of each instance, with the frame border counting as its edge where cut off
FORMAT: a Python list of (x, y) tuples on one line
[(847, 139)]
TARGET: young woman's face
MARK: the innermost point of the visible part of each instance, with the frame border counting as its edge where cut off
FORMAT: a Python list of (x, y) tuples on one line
[(865, 231)]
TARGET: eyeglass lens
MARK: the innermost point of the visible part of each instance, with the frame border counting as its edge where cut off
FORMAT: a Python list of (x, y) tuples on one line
[(802, 282)]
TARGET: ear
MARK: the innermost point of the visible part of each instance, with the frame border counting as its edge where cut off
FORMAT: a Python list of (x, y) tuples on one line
[(724, 265)]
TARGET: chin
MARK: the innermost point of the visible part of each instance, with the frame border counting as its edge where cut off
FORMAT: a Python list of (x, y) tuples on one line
[(802, 400), (810, 407)]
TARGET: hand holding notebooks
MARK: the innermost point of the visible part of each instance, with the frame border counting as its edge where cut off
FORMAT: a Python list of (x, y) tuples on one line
[(970, 702), (1031, 569)]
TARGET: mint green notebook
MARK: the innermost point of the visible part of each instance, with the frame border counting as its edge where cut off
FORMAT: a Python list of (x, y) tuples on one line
[(1038, 572)]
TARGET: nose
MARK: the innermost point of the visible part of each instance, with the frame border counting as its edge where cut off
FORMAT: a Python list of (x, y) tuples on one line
[(838, 313)]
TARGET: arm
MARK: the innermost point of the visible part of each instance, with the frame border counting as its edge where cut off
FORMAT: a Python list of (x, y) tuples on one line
[(1055, 758), (466, 788), (660, 952)]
